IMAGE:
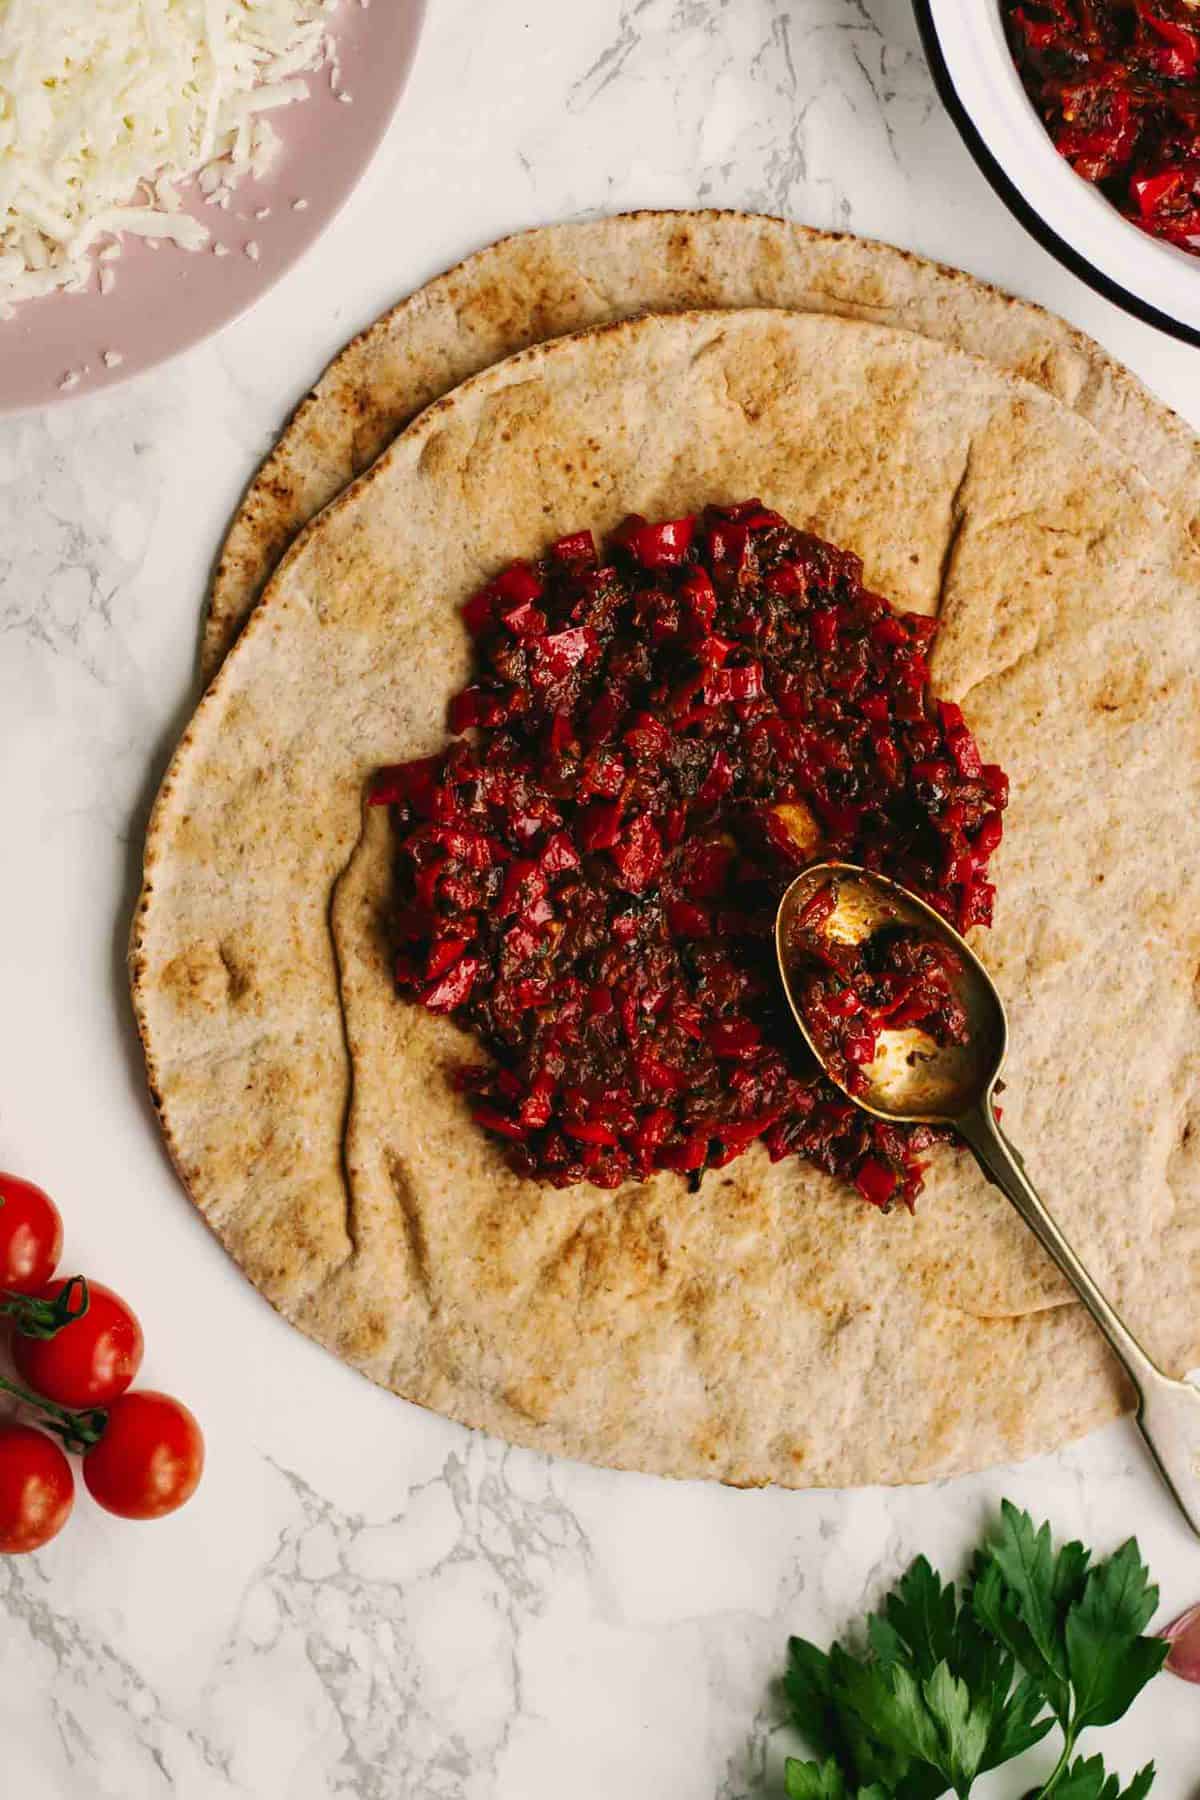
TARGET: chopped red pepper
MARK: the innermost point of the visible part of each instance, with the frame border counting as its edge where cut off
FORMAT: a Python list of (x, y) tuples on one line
[(996, 782), (699, 597), (517, 585), (976, 905), (586, 1132), (565, 649), (689, 1156), (475, 706), (1184, 45), (638, 856), (875, 1181), (1117, 85), (739, 1038), (718, 781), (744, 683), (479, 611), (706, 868), (1153, 191), (412, 783), (493, 1120), (559, 855), (524, 883), (687, 921), (444, 955), (589, 882), (452, 990), (824, 628), (559, 733), (963, 747), (647, 737), (656, 546), (599, 826), (523, 619), (814, 912), (577, 548), (987, 838)]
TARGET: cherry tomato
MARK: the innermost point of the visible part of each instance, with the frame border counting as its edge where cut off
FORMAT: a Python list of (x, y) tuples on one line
[(150, 1459), (90, 1361), (37, 1489), (31, 1235)]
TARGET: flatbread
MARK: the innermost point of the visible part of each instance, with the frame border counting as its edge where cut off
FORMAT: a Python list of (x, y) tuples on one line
[(768, 1328), (542, 284)]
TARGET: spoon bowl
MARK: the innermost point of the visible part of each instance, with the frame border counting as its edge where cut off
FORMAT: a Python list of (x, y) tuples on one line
[(912, 1080)]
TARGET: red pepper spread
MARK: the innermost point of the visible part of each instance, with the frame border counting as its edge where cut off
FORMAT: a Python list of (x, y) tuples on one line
[(659, 741), (1117, 84)]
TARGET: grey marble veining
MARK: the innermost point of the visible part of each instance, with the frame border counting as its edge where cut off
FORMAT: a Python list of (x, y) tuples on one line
[(364, 1600)]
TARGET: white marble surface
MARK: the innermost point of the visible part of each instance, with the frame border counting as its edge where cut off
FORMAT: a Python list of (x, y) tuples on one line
[(364, 1600)]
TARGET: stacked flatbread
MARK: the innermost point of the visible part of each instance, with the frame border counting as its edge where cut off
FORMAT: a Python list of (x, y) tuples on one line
[(989, 464)]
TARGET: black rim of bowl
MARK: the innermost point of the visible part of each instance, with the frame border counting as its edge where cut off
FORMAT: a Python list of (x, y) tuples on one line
[(1016, 202)]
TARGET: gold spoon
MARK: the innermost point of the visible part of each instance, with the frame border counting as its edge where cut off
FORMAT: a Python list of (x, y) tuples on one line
[(915, 1081)]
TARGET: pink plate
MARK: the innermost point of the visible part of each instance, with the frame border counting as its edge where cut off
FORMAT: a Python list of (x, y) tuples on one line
[(167, 299)]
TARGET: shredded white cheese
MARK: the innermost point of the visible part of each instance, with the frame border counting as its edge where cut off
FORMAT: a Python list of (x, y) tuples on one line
[(106, 106)]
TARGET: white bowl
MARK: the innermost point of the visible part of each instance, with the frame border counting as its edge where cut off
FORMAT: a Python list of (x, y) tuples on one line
[(973, 69)]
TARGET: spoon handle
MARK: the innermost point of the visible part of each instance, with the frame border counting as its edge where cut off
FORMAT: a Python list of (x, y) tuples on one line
[(1168, 1412)]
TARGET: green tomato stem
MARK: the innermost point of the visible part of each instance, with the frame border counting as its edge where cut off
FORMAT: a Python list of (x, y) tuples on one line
[(44, 1319), (79, 1431)]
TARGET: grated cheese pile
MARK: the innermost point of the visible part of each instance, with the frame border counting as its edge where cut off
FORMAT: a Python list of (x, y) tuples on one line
[(106, 106)]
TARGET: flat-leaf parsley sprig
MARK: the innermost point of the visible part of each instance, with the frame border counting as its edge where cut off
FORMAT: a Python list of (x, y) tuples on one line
[(950, 1687)]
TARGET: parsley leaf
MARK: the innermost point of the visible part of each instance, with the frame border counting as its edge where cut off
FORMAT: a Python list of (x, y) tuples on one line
[(918, 1726), (1075, 1627), (1090, 1781), (1019, 1727), (919, 1621), (964, 1726), (842, 1708), (1023, 1600), (1109, 1661), (823, 1781), (814, 1781), (948, 1689), (808, 1689)]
